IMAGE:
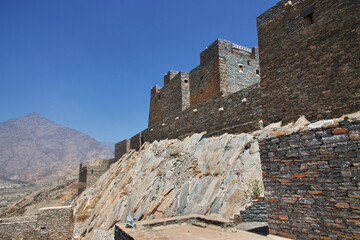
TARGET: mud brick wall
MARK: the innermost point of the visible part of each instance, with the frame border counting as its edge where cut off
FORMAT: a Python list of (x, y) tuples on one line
[(121, 148), (310, 69), (57, 222), (312, 182)]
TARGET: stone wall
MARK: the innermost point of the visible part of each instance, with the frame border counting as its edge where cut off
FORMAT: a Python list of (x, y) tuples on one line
[(312, 182), (176, 94), (237, 112), (121, 148), (309, 59), (156, 112), (256, 212), (218, 74), (19, 228), (91, 170), (56, 222), (50, 223)]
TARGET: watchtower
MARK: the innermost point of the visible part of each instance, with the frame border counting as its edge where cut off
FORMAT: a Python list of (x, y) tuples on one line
[(224, 68), (170, 100)]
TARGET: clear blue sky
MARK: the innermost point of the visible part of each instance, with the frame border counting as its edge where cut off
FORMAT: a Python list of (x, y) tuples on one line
[(89, 65)]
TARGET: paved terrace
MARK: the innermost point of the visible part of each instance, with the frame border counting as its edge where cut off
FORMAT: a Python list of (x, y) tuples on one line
[(191, 227)]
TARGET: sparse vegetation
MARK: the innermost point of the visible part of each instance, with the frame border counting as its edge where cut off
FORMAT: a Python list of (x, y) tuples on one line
[(255, 190), (82, 216)]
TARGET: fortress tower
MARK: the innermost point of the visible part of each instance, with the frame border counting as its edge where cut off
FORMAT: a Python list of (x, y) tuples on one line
[(173, 98), (224, 68)]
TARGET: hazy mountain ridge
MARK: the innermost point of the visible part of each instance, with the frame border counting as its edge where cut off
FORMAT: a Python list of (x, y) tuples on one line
[(34, 148)]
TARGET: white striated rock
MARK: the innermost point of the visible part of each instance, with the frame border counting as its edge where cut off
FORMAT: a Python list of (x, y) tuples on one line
[(198, 175)]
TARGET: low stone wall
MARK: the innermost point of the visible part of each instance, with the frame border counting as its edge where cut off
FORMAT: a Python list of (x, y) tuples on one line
[(57, 222), (312, 182), (256, 212), (50, 223), (19, 230)]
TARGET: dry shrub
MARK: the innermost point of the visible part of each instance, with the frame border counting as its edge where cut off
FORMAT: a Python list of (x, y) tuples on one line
[(207, 173), (82, 216), (93, 203)]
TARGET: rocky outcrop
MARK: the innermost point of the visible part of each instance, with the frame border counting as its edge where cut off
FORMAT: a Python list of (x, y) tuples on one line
[(199, 175)]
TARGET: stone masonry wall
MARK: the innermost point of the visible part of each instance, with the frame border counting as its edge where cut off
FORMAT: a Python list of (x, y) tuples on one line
[(235, 113), (156, 112), (176, 94), (312, 182), (54, 223), (254, 213), (205, 78), (309, 69), (57, 222), (238, 112), (94, 173), (17, 228), (232, 56), (121, 148)]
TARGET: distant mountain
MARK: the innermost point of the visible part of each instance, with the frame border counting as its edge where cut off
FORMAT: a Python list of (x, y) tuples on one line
[(34, 148), (111, 145)]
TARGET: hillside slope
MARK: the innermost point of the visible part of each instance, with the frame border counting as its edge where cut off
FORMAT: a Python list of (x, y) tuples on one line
[(33, 149), (199, 175)]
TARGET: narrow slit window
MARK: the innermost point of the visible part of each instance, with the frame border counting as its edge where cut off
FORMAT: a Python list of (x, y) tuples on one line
[(248, 62), (309, 19), (257, 71), (241, 68), (185, 81)]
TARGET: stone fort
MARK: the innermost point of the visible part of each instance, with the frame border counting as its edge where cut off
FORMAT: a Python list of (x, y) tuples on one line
[(306, 70), (307, 64)]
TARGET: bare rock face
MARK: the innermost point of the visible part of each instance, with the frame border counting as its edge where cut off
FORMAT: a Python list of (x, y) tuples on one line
[(199, 175)]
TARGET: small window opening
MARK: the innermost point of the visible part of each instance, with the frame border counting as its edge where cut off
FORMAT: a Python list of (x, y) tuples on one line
[(92, 171), (142, 140), (248, 62), (186, 81), (309, 19), (257, 72), (159, 96), (202, 77), (42, 228), (241, 68)]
